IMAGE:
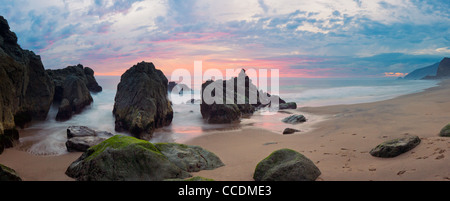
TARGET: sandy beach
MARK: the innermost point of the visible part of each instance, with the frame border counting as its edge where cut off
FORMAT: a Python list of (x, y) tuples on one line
[(338, 143)]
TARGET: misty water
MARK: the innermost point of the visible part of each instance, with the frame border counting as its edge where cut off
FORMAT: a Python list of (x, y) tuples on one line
[(49, 137)]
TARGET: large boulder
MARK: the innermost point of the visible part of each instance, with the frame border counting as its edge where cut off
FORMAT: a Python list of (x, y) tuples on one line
[(189, 158), (26, 89), (76, 97), (8, 174), (395, 147), (445, 132), (124, 158), (85, 74), (142, 103), (81, 138), (237, 100), (286, 165)]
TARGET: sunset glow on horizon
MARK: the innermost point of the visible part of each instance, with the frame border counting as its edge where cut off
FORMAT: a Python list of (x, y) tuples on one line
[(309, 39)]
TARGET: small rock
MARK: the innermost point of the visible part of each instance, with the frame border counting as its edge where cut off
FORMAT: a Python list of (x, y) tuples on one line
[(290, 105), (290, 131), (445, 132), (81, 138), (393, 148), (286, 165), (294, 119)]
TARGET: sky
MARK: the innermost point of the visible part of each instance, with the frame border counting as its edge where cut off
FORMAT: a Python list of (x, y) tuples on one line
[(301, 38)]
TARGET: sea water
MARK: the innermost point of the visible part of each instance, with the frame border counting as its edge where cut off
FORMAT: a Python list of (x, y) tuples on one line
[(49, 137)]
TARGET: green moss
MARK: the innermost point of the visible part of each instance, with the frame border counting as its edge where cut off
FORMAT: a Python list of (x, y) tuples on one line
[(120, 142), (445, 132), (163, 146)]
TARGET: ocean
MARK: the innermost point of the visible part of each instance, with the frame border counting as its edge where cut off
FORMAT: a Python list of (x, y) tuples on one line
[(49, 137)]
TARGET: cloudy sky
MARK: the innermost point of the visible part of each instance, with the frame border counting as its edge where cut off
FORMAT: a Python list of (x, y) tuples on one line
[(303, 38)]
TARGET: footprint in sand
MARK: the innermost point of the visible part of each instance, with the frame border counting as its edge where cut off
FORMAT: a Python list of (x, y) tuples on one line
[(401, 172), (440, 157)]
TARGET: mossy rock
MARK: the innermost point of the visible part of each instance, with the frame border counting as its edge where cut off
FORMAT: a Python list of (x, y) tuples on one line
[(445, 132), (286, 165), (124, 158), (189, 158), (8, 174), (395, 147)]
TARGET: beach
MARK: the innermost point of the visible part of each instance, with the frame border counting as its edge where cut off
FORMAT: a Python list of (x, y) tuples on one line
[(337, 139)]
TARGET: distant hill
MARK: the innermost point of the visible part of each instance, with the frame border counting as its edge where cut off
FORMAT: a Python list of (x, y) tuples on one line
[(423, 72), (443, 71)]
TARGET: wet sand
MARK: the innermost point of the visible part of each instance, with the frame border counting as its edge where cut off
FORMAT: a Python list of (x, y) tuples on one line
[(337, 138)]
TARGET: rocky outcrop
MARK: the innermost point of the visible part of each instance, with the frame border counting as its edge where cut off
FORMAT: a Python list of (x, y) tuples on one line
[(445, 132), (286, 165), (294, 119), (81, 138), (189, 158), (8, 174), (141, 103), (395, 147), (128, 158), (232, 109), (73, 85), (26, 89), (443, 71)]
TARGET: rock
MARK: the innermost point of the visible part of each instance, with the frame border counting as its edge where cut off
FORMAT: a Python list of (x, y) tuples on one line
[(76, 97), (189, 158), (85, 74), (8, 174), (290, 105), (141, 103), (81, 138), (290, 131), (395, 147), (235, 105), (294, 119), (181, 88), (445, 132), (124, 158), (197, 178), (26, 89), (286, 165)]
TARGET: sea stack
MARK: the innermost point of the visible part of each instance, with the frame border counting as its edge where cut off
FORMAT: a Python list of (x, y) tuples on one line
[(26, 89), (142, 103), (73, 85)]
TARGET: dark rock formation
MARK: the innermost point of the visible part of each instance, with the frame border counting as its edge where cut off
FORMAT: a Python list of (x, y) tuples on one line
[(73, 85), (445, 132), (124, 158), (393, 148), (294, 119), (288, 131), (26, 89), (286, 165), (189, 158), (8, 174), (443, 71), (76, 97), (81, 138), (180, 88), (141, 103), (235, 105)]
